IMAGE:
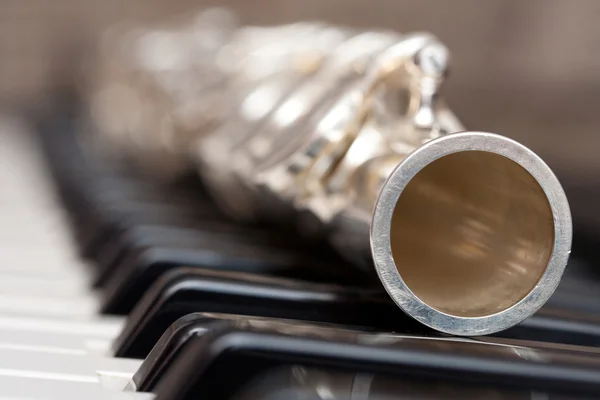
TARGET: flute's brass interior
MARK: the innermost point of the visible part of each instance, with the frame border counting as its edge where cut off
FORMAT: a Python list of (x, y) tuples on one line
[(472, 234)]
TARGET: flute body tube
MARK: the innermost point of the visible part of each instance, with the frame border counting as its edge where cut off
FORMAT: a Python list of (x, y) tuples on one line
[(343, 133), (469, 232)]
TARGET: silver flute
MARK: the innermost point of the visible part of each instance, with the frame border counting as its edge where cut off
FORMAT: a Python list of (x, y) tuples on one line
[(343, 133)]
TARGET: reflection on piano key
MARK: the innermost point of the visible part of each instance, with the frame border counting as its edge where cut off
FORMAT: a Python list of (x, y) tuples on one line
[(297, 382), (200, 348)]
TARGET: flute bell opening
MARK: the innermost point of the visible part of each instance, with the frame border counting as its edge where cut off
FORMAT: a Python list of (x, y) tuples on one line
[(472, 233)]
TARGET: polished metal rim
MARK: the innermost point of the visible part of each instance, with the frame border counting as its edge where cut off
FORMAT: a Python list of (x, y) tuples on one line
[(382, 219)]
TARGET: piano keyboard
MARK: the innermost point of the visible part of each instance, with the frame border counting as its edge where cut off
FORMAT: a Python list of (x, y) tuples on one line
[(118, 287)]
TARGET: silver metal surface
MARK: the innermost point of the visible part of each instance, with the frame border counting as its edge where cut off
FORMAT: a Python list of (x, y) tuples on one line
[(381, 245), (144, 98), (254, 99)]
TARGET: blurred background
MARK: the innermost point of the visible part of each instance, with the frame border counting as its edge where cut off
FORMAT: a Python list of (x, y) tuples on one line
[(529, 70)]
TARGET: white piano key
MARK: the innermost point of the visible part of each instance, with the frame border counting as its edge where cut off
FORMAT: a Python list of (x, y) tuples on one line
[(60, 343), (48, 306), (56, 244), (17, 236), (35, 190), (100, 327), (83, 368), (37, 265), (53, 344), (74, 277), (56, 387), (33, 285), (53, 258), (14, 196), (34, 225)]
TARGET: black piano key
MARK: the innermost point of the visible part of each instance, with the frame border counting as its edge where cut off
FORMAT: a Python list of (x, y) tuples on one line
[(143, 267), (571, 316), (106, 222), (142, 236), (558, 326), (300, 382), (200, 351), (579, 289), (186, 290)]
